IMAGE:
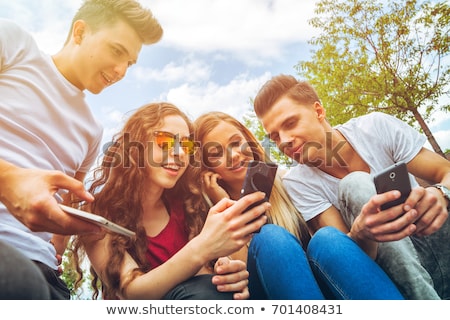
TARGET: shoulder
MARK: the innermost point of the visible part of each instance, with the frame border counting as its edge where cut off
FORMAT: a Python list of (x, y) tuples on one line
[(14, 39), (372, 118), (371, 124), (11, 29)]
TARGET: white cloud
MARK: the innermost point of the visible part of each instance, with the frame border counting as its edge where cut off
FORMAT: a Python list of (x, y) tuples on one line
[(250, 28), (233, 97), (189, 70)]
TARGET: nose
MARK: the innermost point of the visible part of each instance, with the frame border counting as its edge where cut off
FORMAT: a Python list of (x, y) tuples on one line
[(235, 155), (285, 141), (177, 150), (120, 71)]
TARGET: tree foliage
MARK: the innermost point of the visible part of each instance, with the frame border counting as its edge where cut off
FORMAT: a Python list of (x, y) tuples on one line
[(389, 56)]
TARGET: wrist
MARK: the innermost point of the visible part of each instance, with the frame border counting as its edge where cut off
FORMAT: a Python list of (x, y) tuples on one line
[(6, 171), (197, 252), (445, 192)]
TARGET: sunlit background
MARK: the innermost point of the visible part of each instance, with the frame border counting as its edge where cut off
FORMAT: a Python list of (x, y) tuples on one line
[(214, 55)]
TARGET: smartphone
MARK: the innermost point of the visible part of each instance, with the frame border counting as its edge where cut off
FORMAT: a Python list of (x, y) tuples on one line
[(260, 176), (395, 177), (98, 220)]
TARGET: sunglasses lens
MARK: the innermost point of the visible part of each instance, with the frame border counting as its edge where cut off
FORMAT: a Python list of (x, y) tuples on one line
[(187, 145), (165, 140)]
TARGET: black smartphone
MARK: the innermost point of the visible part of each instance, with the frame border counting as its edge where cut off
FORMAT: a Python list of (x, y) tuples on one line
[(260, 177), (394, 177)]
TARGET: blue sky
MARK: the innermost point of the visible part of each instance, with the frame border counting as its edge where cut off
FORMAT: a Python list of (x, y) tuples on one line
[(214, 55)]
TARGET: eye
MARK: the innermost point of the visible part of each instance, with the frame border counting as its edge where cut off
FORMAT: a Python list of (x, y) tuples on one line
[(290, 123), (275, 137), (116, 51)]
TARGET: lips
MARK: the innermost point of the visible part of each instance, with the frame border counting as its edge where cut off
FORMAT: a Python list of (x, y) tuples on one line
[(293, 152), (238, 166), (171, 166), (109, 80)]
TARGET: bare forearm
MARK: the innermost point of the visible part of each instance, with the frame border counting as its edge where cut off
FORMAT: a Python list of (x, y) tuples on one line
[(155, 284)]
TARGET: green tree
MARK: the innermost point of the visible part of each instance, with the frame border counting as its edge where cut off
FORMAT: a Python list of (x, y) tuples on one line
[(389, 56)]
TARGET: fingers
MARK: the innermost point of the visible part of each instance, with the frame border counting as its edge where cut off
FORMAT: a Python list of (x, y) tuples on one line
[(385, 225), (225, 265), (421, 214), (61, 181), (432, 212), (233, 282), (243, 295)]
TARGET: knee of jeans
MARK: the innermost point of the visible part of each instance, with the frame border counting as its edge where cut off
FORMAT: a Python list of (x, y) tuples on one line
[(354, 179), (270, 236), (322, 238)]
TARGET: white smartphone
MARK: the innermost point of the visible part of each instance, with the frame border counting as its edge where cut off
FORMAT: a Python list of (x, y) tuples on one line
[(98, 220)]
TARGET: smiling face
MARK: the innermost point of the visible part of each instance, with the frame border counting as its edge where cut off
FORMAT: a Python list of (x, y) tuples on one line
[(297, 129), (227, 152), (168, 163), (101, 58)]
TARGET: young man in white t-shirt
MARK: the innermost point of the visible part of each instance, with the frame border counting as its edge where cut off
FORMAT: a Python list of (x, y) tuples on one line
[(49, 136), (333, 185)]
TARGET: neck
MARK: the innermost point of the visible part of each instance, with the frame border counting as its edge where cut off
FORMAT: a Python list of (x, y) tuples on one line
[(340, 157)]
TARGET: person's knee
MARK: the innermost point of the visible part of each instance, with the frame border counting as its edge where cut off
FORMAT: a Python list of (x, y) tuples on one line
[(354, 192), (20, 278), (270, 236), (354, 180), (325, 240)]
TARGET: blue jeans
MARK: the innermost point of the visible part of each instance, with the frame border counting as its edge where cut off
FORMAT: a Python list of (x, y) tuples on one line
[(420, 266), (339, 269)]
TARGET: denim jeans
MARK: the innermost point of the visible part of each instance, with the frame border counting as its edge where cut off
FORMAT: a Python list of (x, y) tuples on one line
[(280, 269), (20, 278), (418, 265), (346, 270), (197, 288)]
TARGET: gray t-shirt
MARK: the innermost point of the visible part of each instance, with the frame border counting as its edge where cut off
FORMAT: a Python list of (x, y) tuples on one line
[(380, 139)]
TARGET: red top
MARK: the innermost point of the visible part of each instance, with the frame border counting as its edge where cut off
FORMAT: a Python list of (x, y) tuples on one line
[(170, 240)]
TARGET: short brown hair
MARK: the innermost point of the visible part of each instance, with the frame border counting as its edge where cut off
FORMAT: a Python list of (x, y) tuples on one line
[(280, 86), (100, 13)]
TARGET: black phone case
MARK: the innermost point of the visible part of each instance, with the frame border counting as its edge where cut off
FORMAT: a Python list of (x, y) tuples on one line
[(260, 177), (394, 177)]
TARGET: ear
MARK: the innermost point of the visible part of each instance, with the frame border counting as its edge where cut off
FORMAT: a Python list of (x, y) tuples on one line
[(320, 111), (78, 31)]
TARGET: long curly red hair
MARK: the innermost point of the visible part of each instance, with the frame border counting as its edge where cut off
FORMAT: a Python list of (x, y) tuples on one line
[(117, 185)]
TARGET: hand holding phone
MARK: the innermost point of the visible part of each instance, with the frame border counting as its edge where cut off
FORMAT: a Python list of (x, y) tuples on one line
[(98, 220), (260, 176), (395, 177)]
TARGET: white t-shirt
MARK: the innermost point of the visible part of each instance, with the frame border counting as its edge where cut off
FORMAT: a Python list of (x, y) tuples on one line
[(380, 139), (45, 123)]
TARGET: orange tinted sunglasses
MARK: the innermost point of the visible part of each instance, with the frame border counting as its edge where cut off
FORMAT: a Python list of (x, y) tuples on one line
[(166, 140)]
